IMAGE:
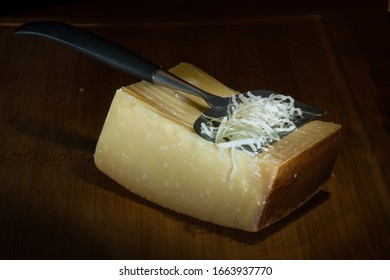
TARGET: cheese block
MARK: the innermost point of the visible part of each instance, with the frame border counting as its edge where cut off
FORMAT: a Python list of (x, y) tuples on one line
[(148, 146)]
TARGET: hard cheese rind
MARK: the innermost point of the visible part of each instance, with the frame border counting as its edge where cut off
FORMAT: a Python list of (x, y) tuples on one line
[(147, 145)]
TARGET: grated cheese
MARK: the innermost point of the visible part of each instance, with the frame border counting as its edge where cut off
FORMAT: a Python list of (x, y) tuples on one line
[(253, 122)]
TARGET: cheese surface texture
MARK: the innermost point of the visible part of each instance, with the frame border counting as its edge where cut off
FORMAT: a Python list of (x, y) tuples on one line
[(148, 146)]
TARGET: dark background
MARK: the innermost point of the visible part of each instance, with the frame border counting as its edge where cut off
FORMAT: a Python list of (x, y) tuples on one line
[(369, 20)]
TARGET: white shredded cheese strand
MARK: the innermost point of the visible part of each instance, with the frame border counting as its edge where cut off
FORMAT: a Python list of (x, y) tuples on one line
[(253, 122), (234, 167)]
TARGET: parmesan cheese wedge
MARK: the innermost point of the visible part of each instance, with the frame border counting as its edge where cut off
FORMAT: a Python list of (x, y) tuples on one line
[(148, 146)]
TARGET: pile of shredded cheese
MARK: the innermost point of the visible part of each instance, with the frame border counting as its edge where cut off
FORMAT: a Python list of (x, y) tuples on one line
[(253, 122)]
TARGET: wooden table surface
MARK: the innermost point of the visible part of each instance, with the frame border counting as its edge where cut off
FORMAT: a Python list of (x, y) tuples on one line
[(55, 204)]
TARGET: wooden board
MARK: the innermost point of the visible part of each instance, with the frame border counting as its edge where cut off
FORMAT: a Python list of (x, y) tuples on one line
[(54, 203)]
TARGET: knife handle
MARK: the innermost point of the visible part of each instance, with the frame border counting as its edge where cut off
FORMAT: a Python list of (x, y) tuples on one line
[(94, 46), (113, 55)]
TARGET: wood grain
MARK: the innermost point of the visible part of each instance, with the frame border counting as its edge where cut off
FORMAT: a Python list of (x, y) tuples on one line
[(54, 203)]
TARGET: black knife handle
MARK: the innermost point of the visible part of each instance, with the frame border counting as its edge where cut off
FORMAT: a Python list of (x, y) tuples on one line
[(94, 46)]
